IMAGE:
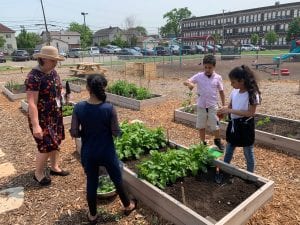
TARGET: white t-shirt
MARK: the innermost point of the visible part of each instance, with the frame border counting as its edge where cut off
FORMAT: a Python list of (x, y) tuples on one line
[(240, 101)]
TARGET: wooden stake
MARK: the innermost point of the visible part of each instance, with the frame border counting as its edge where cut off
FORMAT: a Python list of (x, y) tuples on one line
[(183, 194)]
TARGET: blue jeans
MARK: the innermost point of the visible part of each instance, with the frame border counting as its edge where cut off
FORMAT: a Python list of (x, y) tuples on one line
[(248, 153)]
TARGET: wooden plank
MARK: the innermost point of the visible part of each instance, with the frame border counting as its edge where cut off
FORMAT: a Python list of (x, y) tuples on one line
[(133, 103)]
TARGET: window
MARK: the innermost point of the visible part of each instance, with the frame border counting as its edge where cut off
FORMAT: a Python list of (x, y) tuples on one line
[(9, 46), (296, 13), (8, 35)]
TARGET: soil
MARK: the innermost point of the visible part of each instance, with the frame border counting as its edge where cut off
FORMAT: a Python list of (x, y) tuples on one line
[(282, 127), (206, 197), (64, 203), (210, 199)]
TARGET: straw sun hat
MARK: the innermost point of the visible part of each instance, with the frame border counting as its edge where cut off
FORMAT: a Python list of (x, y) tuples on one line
[(49, 52)]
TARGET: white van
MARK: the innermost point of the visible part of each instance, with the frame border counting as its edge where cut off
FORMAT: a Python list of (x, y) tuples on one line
[(94, 51)]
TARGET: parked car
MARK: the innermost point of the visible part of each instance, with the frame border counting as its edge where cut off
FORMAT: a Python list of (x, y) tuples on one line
[(2, 58), (188, 50), (63, 53), (248, 47), (104, 50), (174, 49), (129, 53), (200, 49), (210, 48), (74, 52), (34, 52), (93, 51), (20, 55), (160, 50), (147, 51), (114, 48)]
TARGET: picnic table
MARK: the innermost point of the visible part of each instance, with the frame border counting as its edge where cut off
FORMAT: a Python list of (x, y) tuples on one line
[(84, 68)]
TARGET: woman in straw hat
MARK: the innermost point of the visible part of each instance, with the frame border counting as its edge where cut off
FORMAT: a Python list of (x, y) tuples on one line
[(45, 118)]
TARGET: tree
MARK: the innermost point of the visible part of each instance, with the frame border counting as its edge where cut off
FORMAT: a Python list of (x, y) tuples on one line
[(86, 35), (294, 29), (174, 18), (2, 41), (142, 30), (271, 37), (119, 42), (27, 40), (217, 37), (254, 38)]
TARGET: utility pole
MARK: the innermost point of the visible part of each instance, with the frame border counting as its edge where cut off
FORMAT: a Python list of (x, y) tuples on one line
[(84, 13), (47, 32), (83, 37), (223, 36)]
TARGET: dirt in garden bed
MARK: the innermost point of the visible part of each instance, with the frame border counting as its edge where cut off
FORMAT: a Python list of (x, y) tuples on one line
[(279, 126), (206, 197)]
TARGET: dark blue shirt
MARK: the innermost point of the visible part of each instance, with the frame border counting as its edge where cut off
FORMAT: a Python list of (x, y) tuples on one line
[(96, 124)]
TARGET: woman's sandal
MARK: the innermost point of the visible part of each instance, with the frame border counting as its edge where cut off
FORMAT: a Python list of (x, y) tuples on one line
[(94, 220), (43, 182), (128, 211)]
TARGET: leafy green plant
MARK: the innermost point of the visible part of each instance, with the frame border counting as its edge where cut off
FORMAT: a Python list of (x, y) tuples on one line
[(163, 168), (13, 86), (105, 185), (67, 110), (187, 103), (137, 140), (123, 88), (263, 121)]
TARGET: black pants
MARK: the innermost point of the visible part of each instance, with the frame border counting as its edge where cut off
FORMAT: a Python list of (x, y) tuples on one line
[(92, 174)]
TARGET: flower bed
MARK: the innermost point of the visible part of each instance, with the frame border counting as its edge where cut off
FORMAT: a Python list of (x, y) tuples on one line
[(14, 91), (273, 131), (67, 111)]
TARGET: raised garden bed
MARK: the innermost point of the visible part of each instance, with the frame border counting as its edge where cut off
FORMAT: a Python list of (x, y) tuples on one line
[(229, 203), (129, 95), (66, 119), (270, 130), (76, 84), (131, 103), (14, 91)]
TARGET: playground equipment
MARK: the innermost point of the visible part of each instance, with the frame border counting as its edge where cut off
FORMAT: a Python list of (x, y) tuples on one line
[(295, 50)]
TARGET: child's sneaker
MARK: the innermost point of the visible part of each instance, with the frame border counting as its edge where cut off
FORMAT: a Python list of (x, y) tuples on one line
[(219, 144)]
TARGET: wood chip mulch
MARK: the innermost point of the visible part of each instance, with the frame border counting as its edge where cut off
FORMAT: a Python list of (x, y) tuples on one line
[(63, 203)]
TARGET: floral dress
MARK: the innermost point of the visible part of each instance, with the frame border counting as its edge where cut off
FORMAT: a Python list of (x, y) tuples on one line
[(49, 108)]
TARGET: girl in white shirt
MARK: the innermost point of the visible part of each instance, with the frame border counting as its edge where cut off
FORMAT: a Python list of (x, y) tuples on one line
[(241, 109)]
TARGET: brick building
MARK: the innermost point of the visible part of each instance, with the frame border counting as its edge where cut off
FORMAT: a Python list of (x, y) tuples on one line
[(238, 26)]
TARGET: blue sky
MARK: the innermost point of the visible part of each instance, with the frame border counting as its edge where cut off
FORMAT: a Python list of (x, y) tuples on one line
[(105, 13)]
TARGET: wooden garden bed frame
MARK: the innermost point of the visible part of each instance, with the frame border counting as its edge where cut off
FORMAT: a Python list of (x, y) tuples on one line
[(179, 214), (11, 95), (75, 87), (66, 119), (131, 103), (273, 140)]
